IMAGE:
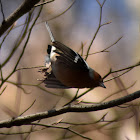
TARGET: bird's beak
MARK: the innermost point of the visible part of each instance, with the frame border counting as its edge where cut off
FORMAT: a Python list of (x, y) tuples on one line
[(102, 84)]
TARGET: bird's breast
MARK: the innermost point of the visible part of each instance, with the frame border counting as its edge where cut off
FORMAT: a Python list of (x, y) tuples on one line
[(72, 77)]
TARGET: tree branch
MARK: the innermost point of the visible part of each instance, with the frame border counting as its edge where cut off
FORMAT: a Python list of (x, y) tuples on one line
[(25, 7), (26, 120), (99, 26), (2, 11)]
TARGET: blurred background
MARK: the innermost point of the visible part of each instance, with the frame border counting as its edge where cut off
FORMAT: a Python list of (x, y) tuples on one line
[(75, 27)]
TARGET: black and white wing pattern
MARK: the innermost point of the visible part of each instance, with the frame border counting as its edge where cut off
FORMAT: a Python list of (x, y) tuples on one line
[(66, 55), (69, 57)]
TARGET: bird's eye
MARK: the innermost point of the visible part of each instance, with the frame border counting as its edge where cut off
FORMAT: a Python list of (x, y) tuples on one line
[(100, 77)]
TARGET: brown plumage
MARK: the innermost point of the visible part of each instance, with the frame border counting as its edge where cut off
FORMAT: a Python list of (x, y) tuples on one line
[(69, 69)]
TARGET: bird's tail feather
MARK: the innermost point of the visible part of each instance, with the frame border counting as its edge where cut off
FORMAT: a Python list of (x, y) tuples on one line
[(50, 32)]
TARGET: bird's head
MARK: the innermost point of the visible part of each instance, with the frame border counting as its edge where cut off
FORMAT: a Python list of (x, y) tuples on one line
[(98, 80)]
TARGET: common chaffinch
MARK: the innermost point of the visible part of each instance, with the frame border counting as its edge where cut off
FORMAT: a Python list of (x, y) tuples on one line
[(69, 69)]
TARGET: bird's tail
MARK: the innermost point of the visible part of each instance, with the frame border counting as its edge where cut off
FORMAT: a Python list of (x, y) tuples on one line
[(50, 32)]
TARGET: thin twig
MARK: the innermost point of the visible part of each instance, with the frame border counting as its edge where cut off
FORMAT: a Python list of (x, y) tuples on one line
[(102, 119), (60, 127), (28, 108), (18, 41), (19, 133), (52, 17), (110, 95), (74, 98), (104, 50), (3, 90), (33, 85), (25, 45), (40, 4), (26, 68), (99, 26), (16, 84), (118, 75), (2, 12), (63, 11), (127, 68), (1, 73), (13, 51), (7, 34)]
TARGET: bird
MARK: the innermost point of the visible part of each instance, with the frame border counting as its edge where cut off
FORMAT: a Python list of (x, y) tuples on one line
[(68, 68)]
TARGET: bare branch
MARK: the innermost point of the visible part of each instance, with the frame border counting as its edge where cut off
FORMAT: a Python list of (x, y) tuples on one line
[(19, 133), (75, 108), (23, 49), (40, 4), (26, 68), (18, 41), (28, 108), (86, 102), (60, 127), (105, 50), (99, 26), (7, 34), (25, 7), (3, 90), (127, 68), (52, 17), (118, 75), (74, 98), (2, 12), (63, 11)]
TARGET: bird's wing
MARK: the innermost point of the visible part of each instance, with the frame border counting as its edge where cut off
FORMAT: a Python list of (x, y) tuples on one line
[(51, 82), (69, 57)]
